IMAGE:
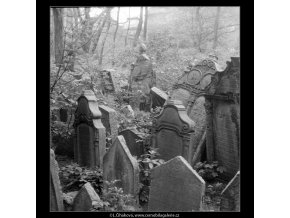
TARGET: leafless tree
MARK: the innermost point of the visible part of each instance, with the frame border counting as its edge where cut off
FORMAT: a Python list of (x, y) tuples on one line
[(145, 24), (126, 38), (58, 35), (216, 27), (139, 28)]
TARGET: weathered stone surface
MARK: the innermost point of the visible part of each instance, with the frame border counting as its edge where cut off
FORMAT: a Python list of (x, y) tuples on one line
[(133, 141), (85, 198), (109, 120), (120, 165), (56, 199), (172, 131), (231, 195), (90, 138), (223, 119), (175, 186), (158, 97), (190, 89), (107, 81)]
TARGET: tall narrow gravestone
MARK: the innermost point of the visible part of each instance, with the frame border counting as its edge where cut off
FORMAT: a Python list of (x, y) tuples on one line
[(109, 120), (223, 118), (172, 129), (120, 165), (107, 81), (85, 198), (158, 97), (175, 186), (231, 195), (134, 141), (90, 138), (56, 200), (190, 88)]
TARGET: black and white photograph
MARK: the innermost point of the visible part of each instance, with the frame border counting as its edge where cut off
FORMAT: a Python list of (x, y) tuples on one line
[(145, 109)]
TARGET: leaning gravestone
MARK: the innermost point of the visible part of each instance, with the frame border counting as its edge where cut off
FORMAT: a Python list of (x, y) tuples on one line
[(90, 134), (109, 120), (107, 81), (223, 118), (175, 186), (158, 97), (190, 88), (134, 141), (172, 129), (231, 195), (56, 200), (85, 198), (120, 165)]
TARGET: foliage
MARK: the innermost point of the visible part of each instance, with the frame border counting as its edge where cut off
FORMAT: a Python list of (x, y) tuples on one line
[(213, 193), (209, 170), (114, 199), (146, 163), (73, 177)]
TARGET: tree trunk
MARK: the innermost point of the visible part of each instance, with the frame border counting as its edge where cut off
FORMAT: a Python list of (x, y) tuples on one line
[(128, 29), (58, 35), (145, 24), (216, 26), (139, 28), (199, 28), (99, 32), (115, 34), (104, 40)]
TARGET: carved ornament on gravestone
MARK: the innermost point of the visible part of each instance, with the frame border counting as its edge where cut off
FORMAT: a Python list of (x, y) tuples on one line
[(190, 89), (90, 134), (172, 129)]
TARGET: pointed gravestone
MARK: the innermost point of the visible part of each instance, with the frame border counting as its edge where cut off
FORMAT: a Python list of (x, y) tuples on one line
[(231, 195), (90, 134), (134, 141), (85, 198), (56, 200), (120, 165), (172, 131), (109, 120), (158, 97), (175, 186)]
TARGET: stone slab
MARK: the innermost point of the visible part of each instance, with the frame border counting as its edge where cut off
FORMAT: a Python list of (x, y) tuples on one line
[(85, 198), (175, 187), (119, 164)]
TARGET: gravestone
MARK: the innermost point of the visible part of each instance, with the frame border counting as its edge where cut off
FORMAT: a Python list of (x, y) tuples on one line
[(158, 97), (107, 81), (230, 200), (85, 198), (63, 114), (172, 129), (109, 120), (175, 186), (190, 88), (223, 118), (119, 164), (134, 141), (56, 200), (90, 134)]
